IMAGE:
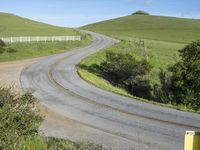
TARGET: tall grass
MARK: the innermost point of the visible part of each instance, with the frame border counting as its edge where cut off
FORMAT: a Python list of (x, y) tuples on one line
[(31, 50), (41, 143)]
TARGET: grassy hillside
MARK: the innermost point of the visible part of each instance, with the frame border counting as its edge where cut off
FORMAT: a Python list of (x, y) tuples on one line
[(11, 25), (162, 37), (150, 27)]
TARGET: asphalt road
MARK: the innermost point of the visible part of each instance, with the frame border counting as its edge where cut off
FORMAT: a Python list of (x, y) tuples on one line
[(131, 124)]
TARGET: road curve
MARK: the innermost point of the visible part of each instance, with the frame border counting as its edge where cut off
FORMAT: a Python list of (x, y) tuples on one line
[(138, 125)]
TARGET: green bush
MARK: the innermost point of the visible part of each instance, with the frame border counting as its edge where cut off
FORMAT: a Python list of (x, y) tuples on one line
[(182, 86), (19, 117), (2, 47), (11, 50), (2, 50), (19, 122), (2, 44), (125, 71)]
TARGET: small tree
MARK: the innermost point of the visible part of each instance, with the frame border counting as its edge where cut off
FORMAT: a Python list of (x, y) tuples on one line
[(184, 83), (2, 44), (124, 70)]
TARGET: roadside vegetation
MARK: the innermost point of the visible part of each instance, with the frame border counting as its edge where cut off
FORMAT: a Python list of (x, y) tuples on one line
[(19, 51), (154, 39), (125, 71), (180, 84), (19, 123)]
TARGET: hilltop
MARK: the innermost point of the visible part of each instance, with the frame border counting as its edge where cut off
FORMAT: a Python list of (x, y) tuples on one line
[(141, 12), (12, 25)]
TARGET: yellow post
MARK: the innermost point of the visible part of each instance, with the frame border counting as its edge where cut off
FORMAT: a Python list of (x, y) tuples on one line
[(192, 140)]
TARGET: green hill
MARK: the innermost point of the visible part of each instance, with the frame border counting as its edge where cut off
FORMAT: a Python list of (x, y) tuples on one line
[(162, 37), (150, 27), (12, 25)]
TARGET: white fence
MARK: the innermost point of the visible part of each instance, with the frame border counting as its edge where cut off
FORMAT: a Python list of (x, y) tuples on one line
[(40, 39)]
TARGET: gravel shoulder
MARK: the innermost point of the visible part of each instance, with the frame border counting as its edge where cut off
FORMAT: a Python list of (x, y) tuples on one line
[(10, 72)]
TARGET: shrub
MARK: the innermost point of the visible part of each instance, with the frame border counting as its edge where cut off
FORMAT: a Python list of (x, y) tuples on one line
[(2, 50), (11, 50), (162, 92), (41, 143), (19, 117), (184, 82), (125, 71), (2, 44)]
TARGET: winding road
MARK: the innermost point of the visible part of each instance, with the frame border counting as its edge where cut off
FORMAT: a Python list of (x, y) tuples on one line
[(129, 124)]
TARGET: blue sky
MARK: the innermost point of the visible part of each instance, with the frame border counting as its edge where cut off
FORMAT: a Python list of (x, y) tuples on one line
[(75, 13)]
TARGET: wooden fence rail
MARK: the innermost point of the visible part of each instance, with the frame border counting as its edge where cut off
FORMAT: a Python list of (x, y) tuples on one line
[(40, 39)]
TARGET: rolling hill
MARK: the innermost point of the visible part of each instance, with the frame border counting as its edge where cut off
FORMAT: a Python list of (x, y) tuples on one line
[(12, 25), (150, 27), (162, 37)]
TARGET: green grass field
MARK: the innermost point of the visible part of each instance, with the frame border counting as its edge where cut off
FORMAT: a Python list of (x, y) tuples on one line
[(41, 143), (159, 28), (33, 50), (163, 37), (11, 25)]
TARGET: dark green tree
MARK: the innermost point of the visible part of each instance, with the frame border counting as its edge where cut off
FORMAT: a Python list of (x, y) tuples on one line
[(125, 71), (2, 44), (183, 86)]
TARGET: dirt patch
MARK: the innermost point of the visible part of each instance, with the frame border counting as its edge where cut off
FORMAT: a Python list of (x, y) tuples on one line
[(10, 72)]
